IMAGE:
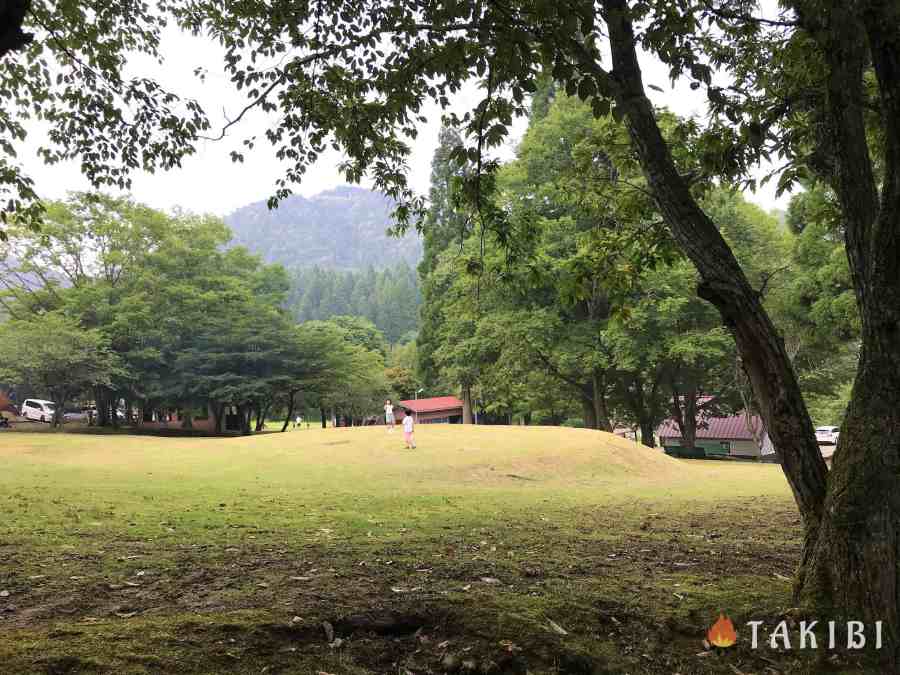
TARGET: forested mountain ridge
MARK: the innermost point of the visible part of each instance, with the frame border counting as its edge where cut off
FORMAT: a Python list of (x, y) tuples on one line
[(344, 228), (389, 298)]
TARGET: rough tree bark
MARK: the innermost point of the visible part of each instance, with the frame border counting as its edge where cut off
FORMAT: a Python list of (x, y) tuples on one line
[(855, 569), (684, 412), (467, 404), (290, 411), (849, 565)]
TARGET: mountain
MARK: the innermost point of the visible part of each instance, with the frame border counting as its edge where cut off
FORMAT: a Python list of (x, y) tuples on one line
[(344, 229)]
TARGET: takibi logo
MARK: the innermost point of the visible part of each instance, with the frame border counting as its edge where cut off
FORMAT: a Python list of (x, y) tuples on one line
[(721, 633), (830, 634)]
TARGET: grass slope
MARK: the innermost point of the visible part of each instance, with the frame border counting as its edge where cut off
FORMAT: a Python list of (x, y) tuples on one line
[(141, 554)]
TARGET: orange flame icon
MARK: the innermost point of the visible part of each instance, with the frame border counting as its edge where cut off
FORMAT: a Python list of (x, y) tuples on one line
[(721, 633)]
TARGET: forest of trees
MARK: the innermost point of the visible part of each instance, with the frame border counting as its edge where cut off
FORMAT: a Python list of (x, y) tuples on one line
[(580, 325), (120, 305), (389, 297)]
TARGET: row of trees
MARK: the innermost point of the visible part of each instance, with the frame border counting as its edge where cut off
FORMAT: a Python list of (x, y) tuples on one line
[(588, 311), (389, 297), (114, 301)]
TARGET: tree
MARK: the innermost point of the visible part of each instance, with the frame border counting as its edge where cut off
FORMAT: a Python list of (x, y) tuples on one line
[(850, 565), (444, 225), (62, 359), (362, 333), (63, 63)]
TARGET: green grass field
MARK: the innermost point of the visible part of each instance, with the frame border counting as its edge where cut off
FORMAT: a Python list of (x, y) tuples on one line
[(474, 552)]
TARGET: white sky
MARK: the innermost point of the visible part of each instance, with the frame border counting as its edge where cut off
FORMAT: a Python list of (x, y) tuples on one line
[(210, 182)]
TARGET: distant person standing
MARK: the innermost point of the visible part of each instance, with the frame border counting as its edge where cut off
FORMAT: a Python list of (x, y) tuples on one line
[(408, 425), (389, 415)]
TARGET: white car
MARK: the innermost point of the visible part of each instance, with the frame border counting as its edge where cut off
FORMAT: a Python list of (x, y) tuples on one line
[(38, 410), (827, 435)]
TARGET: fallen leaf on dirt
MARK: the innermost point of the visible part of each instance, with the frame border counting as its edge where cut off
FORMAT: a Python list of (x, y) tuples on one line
[(490, 580), (300, 578), (329, 631), (125, 615), (297, 619), (132, 583), (399, 589), (782, 577), (4, 594), (467, 587), (556, 628), (263, 584), (35, 577), (322, 672), (337, 642)]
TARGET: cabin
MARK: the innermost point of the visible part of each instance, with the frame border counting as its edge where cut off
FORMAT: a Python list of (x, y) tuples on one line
[(720, 437), (437, 410)]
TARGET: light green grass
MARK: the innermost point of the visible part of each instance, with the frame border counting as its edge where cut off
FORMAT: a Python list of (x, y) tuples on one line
[(139, 540)]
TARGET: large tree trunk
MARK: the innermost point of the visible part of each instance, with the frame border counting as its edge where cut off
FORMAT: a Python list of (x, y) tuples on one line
[(648, 431), (467, 404), (849, 565), (324, 418), (854, 571), (101, 400), (589, 412), (601, 411), (684, 412), (723, 283), (290, 411)]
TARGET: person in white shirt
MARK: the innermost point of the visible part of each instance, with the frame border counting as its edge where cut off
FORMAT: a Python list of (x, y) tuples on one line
[(389, 415), (408, 425)]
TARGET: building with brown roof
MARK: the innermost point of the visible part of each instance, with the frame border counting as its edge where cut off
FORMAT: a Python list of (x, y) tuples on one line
[(440, 409), (734, 436)]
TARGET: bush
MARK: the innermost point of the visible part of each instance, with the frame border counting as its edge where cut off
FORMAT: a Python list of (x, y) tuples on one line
[(574, 422)]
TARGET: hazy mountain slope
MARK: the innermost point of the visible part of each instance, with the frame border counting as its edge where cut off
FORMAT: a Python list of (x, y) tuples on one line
[(343, 228)]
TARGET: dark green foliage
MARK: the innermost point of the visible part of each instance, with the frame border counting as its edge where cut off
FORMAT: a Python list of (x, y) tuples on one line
[(71, 76), (185, 321), (388, 298)]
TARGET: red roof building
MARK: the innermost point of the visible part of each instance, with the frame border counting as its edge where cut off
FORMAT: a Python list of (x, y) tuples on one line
[(718, 436), (440, 409)]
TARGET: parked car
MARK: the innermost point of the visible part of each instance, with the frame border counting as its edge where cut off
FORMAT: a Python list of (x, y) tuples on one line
[(38, 410), (75, 415), (827, 435)]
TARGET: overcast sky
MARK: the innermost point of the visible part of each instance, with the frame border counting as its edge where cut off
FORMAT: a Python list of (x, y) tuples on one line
[(210, 182)]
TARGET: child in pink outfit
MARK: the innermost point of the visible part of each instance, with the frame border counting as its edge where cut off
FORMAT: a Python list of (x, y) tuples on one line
[(408, 425)]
